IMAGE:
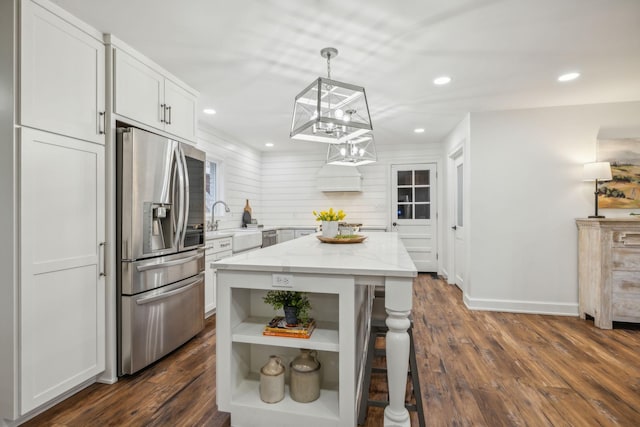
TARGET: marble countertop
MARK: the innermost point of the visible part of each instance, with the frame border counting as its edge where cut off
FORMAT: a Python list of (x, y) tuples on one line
[(381, 254)]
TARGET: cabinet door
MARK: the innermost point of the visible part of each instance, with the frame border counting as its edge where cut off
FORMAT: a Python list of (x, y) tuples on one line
[(62, 295), (303, 232), (61, 76), (209, 283), (138, 91), (181, 111)]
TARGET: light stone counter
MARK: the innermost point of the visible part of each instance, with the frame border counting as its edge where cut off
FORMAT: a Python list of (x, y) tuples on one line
[(381, 254)]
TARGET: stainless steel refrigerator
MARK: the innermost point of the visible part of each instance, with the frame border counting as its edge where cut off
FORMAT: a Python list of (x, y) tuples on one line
[(160, 248)]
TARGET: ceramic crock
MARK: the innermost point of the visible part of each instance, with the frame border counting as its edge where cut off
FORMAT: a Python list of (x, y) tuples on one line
[(305, 377), (272, 380)]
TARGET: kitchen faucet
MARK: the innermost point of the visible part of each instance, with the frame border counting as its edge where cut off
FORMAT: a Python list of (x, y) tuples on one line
[(214, 224)]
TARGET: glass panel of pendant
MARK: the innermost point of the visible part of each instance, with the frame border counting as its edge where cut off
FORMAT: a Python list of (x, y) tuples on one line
[(414, 194)]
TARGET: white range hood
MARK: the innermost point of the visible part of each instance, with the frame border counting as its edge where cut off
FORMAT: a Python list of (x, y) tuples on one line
[(339, 178)]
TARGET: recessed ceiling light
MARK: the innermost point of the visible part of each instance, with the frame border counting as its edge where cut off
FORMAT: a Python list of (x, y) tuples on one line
[(442, 80), (269, 144), (568, 77), (210, 111), (419, 130)]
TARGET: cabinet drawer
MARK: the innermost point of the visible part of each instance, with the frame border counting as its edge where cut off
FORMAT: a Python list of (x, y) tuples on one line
[(223, 244), (626, 307), (626, 282), (625, 259), (622, 239), (220, 255)]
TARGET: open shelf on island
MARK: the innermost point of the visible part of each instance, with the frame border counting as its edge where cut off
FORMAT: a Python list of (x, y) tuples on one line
[(324, 337), (247, 394)]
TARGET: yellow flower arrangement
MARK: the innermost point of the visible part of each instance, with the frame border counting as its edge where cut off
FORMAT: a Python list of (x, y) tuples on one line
[(329, 215)]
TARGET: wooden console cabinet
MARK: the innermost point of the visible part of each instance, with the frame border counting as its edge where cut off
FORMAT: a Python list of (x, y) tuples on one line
[(609, 270)]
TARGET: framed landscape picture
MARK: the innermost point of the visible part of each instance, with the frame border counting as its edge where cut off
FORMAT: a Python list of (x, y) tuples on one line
[(623, 191)]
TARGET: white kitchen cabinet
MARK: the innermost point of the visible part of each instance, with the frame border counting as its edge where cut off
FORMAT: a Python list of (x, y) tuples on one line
[(215, 249), (62, 75), (52, 310), (300, 232), (62, 235), (146, 93), (286, 234)]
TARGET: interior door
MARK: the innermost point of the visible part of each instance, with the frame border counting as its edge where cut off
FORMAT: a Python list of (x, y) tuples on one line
[(413, 212), (458, 223)]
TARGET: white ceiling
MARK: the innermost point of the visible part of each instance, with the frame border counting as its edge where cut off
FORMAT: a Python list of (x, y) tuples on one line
[(249, 58)]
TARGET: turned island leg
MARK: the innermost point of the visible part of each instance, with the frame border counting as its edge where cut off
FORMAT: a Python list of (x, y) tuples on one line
[(398, 295)]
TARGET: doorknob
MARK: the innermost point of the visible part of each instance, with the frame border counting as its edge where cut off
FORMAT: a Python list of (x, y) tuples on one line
[(455, 227)]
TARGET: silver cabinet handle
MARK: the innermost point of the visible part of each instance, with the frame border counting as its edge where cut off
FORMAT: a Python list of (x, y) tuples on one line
[(224, 245), (163, 113), (147, 267), (101, 261), (169, 109), (164, 295), (101, 122)]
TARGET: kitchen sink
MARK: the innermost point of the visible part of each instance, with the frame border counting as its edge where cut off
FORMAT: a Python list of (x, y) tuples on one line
[(244, 239)]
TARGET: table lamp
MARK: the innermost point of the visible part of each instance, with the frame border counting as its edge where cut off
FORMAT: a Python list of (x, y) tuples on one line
[(598, 171)]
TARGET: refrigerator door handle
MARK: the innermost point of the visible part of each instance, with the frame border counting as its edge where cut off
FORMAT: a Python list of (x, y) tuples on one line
[(164, 295), (147, 267), (185, 189), (180, 191)]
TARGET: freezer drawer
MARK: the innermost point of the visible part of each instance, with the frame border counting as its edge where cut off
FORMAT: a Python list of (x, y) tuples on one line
[(156, 322), (148, 274)]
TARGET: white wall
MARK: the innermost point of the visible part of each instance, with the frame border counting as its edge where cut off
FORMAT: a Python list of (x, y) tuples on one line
[(241, 168), (290, 194), (526, 191)]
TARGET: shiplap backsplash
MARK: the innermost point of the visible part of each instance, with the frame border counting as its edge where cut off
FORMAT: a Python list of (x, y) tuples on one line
[(241, 169), (290, 193), (282, 189)]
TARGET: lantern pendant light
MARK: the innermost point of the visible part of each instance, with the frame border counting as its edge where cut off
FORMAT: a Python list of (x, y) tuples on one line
[(330, 111), (355, 152)]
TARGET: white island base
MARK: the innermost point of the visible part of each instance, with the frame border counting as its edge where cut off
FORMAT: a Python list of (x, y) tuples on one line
[(339, 280)]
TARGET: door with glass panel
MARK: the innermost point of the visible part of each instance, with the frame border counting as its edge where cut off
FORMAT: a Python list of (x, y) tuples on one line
[(413, 212)]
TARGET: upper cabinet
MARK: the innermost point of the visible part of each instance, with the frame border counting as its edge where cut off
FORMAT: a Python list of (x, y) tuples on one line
[(146, 93), (62, 75)]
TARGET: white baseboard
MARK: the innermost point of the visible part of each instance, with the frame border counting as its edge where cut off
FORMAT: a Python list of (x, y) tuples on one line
[(529, 307)]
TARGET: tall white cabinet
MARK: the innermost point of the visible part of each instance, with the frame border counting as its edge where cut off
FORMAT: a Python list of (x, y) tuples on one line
[(62, 235), (53, 290)]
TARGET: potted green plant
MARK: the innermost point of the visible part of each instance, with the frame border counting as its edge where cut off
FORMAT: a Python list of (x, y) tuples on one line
[(296, 305)]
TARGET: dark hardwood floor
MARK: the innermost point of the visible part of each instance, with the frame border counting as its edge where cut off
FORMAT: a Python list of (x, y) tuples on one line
[(476, 369)]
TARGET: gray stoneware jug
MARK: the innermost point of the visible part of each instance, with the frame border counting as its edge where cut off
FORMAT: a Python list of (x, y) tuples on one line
[(272, 380), (305, 377)]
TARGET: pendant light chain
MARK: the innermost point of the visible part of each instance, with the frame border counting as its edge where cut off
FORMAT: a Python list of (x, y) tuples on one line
[(329, 66)]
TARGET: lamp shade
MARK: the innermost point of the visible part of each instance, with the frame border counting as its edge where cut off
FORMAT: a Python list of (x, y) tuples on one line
[(597, 170), (330, 111)]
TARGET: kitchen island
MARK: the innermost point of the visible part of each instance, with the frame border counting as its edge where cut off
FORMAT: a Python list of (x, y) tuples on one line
[(339, 279)]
